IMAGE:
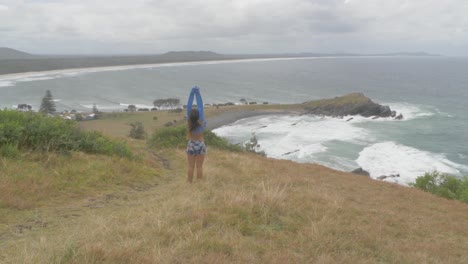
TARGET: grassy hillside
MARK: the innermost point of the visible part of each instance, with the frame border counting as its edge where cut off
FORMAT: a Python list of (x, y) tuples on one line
[(248, 209)]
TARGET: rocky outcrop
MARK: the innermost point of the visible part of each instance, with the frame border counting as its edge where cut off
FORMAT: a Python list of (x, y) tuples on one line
[(351, 104), (361, 171), (383, 177)]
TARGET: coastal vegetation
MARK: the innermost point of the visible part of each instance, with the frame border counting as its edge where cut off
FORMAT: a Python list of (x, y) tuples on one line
[(20, 131), (137, 130), (443, 185), (47, 104), (47, 158), (78, 207), (167, 103), (176, 137)]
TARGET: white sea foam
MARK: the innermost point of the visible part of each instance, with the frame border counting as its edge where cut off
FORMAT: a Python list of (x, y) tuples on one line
[(6, 83), (103, 107), (12, 80), (116, 107), (37, 78), (296, 138), (390, 158), (304, 139), (410, 111)]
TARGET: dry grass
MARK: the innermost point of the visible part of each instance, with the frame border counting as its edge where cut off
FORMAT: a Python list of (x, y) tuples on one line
[(117, 124), (251, 209), (248, 209)]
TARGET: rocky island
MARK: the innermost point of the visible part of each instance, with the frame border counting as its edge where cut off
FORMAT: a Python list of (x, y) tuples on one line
[(350, 104)]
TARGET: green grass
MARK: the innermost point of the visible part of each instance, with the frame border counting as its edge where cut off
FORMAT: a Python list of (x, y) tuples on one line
[(34, 178), (36, 132), (349, 99), (176, 137)]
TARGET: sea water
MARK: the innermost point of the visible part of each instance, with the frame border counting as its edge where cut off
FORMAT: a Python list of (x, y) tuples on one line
[(430, 92)]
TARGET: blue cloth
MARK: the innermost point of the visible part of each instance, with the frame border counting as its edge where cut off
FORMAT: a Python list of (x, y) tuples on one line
[(195, 92)]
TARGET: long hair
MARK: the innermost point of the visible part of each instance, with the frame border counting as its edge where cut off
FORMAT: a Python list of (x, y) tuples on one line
[(193, 121)]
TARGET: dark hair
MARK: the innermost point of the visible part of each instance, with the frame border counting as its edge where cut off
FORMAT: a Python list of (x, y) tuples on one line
[(193, 121)]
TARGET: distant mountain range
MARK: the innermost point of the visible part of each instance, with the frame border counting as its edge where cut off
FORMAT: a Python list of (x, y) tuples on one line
[(14, 61), (12, 54)]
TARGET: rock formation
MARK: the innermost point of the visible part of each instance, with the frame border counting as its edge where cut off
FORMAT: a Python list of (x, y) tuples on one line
[(351, 104), (361, 171)]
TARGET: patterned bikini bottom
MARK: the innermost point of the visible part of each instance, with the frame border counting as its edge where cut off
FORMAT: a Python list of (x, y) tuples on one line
[(196, 147)]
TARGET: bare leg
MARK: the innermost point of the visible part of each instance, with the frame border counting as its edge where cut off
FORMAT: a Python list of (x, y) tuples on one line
[(191, 166), (199, 161)]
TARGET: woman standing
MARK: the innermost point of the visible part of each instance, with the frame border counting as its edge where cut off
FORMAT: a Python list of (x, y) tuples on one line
[(196, 148)]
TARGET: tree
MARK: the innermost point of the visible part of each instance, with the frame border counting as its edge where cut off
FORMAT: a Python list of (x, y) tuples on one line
[(47, 104), (132, 108), (95, 109), (170, 102)]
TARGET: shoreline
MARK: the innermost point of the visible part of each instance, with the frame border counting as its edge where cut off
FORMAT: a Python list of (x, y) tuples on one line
[(401, 177), (13, 76), (231, 116)]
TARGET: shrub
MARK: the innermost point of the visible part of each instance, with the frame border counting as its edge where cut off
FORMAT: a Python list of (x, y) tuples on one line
[(79, 117), (35, 132), (176, 137), (9, 151), (176, 111), (137, 131), (252, 145), (218, 142), (443, 185)]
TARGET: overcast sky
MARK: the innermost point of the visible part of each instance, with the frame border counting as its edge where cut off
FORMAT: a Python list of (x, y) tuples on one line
[(234, 26)]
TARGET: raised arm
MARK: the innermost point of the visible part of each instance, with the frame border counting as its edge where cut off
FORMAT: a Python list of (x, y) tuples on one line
[(190, 101), (200, 104)]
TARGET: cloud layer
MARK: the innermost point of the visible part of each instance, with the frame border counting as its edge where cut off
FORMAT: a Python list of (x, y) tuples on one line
[(234, 26)]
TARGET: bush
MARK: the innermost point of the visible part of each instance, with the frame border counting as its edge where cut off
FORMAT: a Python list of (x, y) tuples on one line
[(176, 137), (9, 151), (252, 145), (137, 131), (35, 132), (443, 185)]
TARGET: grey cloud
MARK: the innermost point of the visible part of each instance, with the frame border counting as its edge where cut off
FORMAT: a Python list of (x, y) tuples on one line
[(242, 25)]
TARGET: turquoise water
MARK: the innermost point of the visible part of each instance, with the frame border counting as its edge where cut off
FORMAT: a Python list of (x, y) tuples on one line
[(430, 91)]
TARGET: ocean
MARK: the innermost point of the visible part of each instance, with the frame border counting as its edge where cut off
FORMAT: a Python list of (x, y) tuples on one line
[(430, 92)]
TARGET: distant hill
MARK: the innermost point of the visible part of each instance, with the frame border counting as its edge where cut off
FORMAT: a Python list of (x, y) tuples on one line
[(12, 54)]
